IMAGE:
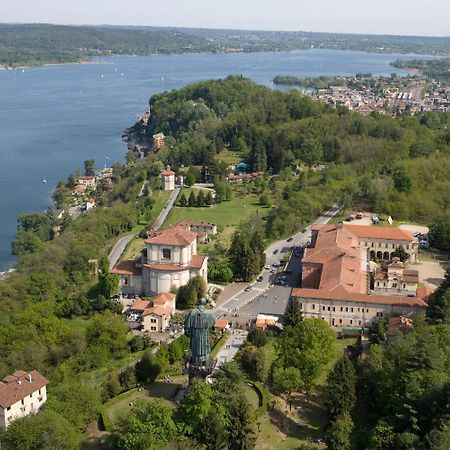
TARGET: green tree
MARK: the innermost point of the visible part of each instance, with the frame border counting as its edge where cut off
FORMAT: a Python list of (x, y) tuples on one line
[(192, 201), (253, 362), (214, 434), (239, 424), (341, 388), (338, 435), (308, 347), (200, 199), (294, 312), (148, 368), (183, 201), (189, 180), (46, 430), (112, 384), (149, 425), (257, 337), (89, 168), (439, 234), (286, 380), (208, 199), (127, 377), (400, 253)]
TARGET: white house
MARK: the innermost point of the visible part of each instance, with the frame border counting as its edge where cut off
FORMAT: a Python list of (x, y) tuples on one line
[(21, 394), (168, 261), (167, 180), (152, 315)]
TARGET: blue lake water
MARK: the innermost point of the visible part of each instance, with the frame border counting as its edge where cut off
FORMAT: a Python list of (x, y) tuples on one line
[(53, 118)]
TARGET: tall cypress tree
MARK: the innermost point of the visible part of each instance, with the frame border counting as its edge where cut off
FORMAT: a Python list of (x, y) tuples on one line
[(341, 388), (294, 312), (192, 200), (183, 201), (200, 199)]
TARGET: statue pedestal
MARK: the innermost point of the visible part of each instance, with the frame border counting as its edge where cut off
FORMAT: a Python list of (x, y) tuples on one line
[(199, 372)]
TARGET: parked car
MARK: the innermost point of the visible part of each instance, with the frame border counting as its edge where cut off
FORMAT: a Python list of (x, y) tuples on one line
[(267, 267), (417, 234), (304, 230), (248, 288), (260, 278), (423, 244), (275, 252), (349, 219), (290, 239)]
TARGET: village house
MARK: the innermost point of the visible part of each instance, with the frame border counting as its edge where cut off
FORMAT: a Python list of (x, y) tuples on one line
[(87, 181), (203, 229), (158, 141), (336, 276), (167, 180), (152, 315), (21, 394), (168, 261)]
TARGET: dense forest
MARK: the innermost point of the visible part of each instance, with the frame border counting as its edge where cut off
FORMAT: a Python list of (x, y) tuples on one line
[(37, 44), (436, 69), (397, 166)]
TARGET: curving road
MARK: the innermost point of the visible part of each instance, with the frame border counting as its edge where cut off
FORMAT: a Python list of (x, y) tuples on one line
[(121, 244)]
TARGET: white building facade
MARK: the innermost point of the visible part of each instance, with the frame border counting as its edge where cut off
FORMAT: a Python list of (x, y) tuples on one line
[(21, 394)]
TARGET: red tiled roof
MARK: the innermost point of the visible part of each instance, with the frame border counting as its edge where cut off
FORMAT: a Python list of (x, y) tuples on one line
[(221, 324), (127, 267), (167, 172), (424, 292), (140, 305), (164, 297), (196, 261), (172, 236), (342, 295), (388, 233), (17, 386), (158, 311)]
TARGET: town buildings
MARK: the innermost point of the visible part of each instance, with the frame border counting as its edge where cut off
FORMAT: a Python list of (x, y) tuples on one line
[(21, 394), (337, 283), (168, 261)]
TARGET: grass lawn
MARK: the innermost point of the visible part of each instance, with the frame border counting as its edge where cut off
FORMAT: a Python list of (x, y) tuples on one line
[(164, 391), (226, 214), (230, 156), (252, 397), (133, 249)]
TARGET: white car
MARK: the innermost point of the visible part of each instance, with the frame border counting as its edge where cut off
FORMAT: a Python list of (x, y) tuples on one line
[(267, 267)]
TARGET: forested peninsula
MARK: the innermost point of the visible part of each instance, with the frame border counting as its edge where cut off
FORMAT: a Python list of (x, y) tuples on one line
[(38, 44), (55, 310)]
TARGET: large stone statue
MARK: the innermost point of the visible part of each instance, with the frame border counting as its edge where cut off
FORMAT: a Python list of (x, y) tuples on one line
[(197, 327)]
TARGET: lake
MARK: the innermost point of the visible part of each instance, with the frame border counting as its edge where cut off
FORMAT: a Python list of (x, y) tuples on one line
[(53, 118)]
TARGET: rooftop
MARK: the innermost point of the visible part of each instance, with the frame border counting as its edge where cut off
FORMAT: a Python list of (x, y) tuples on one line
[(127, 267), (17, 386), (173, 236)]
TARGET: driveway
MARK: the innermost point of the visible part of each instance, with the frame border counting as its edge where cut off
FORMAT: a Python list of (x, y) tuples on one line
[(431, 273), (231, 347)]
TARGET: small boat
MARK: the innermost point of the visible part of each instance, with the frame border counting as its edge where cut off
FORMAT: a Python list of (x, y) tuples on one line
[(44, 180), (102, 75)]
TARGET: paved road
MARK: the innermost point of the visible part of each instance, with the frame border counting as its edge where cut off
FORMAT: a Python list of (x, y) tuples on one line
[(121, 244), (167, 207), (261, 297), (231, 347)]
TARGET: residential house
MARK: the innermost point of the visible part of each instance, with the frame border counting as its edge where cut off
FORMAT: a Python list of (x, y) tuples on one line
[(87, 181), (21, 394), (158, 141), (168, 261), (152, 315)]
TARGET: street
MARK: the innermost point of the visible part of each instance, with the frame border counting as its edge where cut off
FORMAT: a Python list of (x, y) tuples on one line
[(263, 296)]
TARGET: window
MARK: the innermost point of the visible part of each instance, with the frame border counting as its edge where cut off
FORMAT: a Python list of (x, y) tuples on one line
[(323, 308), (23, 402), (379, 244), (394, 284), (385, 246), (351, 309), (340, 320), (351, 322), (334, 309), (166, 253), (153, 321), (153, 328), (39, 392), (8, 408), (384, 284), (328, 308), (313, 306), (378, 283), (379, 314), (367, 310), (346, 309), (359, 322), (404, 285), (125, 281), (407, 247), (342, 308), (31, 395)]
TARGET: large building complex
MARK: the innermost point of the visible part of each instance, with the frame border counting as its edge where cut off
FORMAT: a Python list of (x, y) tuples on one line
[(168, 261), (21, 394), (337, 284)]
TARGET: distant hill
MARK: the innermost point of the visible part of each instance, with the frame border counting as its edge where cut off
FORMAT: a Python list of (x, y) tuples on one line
[(37, 44)]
